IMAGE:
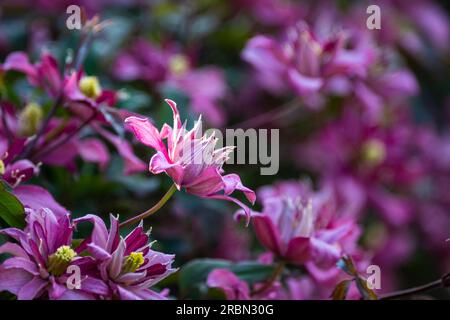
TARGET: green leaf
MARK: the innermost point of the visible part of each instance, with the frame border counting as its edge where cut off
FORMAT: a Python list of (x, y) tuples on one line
[(11, 210), (366, 292), (192, 278), (195, 273), (251, 271), (340, 291)]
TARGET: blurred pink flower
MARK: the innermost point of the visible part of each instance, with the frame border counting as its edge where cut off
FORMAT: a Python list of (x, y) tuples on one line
[(303, 62), (80, 94), (301, 226), (232, 286), (204, 86), (371, 156)]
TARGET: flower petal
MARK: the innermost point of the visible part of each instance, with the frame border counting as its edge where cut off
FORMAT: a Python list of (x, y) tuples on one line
[(32, 289), (36, 197), (298, 250), (267, 233), (233, 182), (14, 250), (13, 280), (145, 132)]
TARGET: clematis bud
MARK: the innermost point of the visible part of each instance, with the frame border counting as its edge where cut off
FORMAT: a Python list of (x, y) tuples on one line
[(90, 87), (178, 64), (373, 152), (30, 119), (60, 260), (133, 262)]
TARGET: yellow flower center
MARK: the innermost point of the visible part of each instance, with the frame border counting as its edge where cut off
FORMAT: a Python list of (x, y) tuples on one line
[(133, 262), (90, 87), (60, 260), (178, 64), (29, 119), (2, 167), (374, 152)]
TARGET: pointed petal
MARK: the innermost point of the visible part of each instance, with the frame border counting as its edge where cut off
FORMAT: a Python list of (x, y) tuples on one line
[(32, 289), (145, 132)]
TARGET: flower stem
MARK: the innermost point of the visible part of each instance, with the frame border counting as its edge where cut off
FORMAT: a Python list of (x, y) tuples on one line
[(65, 139), (153, 209), (443, 282), (275, 274), (281, 112)]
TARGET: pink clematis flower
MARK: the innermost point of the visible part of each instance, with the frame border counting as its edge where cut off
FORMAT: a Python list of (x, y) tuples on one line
[(80, 94), (40, 258), (189, 158), (127, 266), (302, 62), (238, 289), (300, 226), (232, 286), (205, 86)]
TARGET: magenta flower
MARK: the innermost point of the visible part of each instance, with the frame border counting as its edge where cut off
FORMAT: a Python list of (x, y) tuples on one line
[(300, 226), (127, 266), (238, 289), (233, 287), (378, 160), (189, 158), (40, 258), (83, 97), (205, 86), (303, 62)]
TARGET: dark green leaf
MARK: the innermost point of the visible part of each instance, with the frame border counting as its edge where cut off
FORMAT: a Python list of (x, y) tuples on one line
[(11, 210), (195, 273)]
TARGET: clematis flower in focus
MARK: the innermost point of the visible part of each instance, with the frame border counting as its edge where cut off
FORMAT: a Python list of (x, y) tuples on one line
[(301, 226), (127, 266), (190, 159), (40, 258)]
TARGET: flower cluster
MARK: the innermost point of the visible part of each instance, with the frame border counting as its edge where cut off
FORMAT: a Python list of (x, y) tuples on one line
[(364, 149), (115, 268)]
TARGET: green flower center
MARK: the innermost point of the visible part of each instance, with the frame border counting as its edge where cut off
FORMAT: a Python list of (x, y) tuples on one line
[(178, 64), (90, 87), (30, 119), (2, 167), (373, 152), (133, 262), (60, 260)]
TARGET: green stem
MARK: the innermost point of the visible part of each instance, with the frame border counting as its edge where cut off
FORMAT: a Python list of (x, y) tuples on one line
[(153, 209)]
